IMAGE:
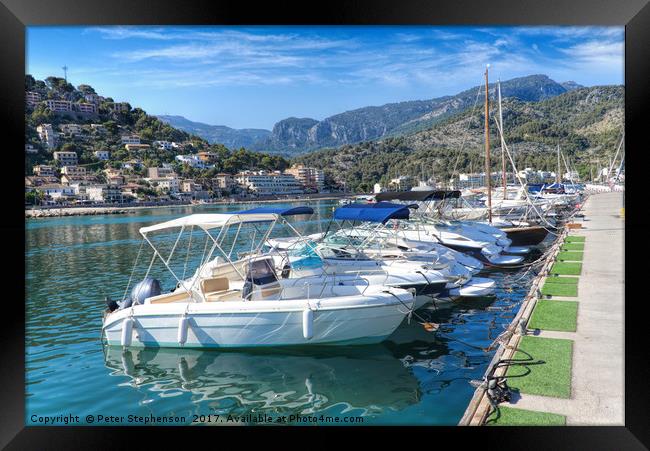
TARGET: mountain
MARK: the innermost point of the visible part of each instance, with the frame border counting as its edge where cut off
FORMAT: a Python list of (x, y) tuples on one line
[(295, 136), (586, 122), (571, 85), (218, 134)]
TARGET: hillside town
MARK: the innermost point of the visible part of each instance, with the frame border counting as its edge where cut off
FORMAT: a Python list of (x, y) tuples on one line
[(89, 153)]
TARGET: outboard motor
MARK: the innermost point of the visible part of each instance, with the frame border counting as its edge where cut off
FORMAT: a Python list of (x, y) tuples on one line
[(142, 290), (147, 288)]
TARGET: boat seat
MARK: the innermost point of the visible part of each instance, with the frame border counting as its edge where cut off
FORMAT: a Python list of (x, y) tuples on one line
[(169, 297), (226, 295), (217, 289), (214, 284)]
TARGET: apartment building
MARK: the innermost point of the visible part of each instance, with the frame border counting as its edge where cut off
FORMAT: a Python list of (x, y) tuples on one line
[(102, 154), (265, 183), (74, 171), (32, 98), (119, 107), (71, 129), (224, 181), (87, 108), (164, 145), (309, 178), (43, 170), (47, 135), (130, 139), (59, 106), (157, 173), (66, 158)]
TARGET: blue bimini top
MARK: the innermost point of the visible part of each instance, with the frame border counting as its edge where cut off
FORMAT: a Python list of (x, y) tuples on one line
[(277, 211), (379, 212)]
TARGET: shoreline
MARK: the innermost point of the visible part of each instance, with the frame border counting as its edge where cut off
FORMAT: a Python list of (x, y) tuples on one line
[(56, 212)]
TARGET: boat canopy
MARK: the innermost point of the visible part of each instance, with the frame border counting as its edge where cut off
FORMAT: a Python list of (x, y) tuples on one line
[(210, 221), (418, 196), (379, 212), (278, 211)]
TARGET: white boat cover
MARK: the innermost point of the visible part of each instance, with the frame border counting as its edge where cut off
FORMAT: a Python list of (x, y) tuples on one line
[(210, 221)]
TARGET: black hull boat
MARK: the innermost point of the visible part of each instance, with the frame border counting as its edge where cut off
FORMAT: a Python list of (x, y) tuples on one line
[(526, 236)]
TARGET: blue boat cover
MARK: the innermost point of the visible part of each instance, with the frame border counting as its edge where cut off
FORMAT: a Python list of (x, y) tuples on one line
[(379, 212), (277, 211)]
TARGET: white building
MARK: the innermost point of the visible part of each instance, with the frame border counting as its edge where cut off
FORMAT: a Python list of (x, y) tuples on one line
[(102, 154), (58, 106), (47, 135), (266, 183), (165, 145), (192, 160), (170, 184), (104, 193), (130, 139), (73, 171), (56, 191), (66, 158), (71, 129)]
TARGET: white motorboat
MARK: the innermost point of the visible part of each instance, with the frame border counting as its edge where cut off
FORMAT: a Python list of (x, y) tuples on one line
[(430, 273), (239, 303)]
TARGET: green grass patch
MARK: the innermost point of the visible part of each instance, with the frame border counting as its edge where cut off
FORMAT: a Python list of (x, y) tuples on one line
[(574, 239), (566, 269), (555, 315), (570, 256), (551, 378), (568, 280), (560, 289), (520, 417), (573, 247)]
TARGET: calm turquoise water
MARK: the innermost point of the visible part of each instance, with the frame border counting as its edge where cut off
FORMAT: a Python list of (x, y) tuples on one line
[(416, 377)]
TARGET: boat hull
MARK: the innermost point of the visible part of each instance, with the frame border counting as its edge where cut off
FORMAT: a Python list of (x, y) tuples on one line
[(526, 236), (363, 320)]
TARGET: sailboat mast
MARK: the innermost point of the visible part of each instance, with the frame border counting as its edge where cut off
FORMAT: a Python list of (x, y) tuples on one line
[(487, 148), (503, 153), (557, 176)]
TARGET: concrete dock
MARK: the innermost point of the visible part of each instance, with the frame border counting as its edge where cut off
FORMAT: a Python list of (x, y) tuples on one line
[(597, 386)]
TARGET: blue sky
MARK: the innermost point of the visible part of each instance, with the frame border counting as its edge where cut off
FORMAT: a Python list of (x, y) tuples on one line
[(251, 77)]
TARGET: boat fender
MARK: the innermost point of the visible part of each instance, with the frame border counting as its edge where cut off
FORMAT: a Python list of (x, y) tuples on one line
[(183, 325), (127, 332), (307, 323)]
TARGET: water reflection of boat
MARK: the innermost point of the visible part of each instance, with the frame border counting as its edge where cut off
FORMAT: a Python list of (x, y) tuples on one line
[(370, 379)]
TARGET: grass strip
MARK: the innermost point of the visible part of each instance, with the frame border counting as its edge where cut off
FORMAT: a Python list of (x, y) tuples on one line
[(573, 247), (570, 256), (563, 280), (574, 239), (566, 269), (552, 378), (560, 289), (520, 417), (555, 315)]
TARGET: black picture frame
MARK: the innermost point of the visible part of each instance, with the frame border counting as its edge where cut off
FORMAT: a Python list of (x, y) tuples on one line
[(633, 14)]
